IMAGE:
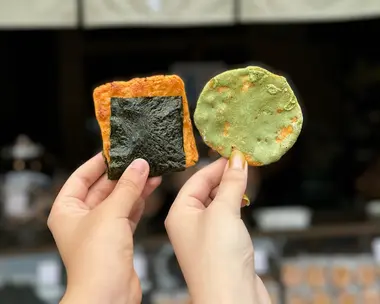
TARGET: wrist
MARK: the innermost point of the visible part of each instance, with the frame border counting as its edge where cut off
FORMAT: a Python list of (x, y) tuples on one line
[(95, 296), (226, 292), (99, 291), (80, 297)]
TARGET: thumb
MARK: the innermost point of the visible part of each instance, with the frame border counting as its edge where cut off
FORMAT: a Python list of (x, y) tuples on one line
[(234, 183), (128, 189)]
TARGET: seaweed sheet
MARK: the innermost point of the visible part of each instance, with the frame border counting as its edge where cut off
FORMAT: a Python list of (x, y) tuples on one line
[(150, 128)]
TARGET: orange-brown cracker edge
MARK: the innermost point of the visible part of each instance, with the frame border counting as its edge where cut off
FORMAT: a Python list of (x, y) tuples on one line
[(160, 85)]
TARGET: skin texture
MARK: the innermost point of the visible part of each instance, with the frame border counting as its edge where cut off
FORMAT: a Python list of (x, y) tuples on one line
[(210, 240), (93, 220), (252, 110), (159, 85)]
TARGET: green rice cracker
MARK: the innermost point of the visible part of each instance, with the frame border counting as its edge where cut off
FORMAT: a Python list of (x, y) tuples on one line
[(251, 110)]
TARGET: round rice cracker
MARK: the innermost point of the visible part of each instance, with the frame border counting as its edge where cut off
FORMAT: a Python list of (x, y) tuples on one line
[(252, 110)]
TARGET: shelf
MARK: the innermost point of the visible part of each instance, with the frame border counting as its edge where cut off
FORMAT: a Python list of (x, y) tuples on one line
[(52, 248), (367, 229), (325, 231)]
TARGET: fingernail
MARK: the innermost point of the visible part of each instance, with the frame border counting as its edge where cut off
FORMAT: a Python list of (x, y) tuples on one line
[(237, 160), (245, 202), (139, 165)]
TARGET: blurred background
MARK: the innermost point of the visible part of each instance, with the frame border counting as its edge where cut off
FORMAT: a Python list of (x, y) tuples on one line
[(315, 214)]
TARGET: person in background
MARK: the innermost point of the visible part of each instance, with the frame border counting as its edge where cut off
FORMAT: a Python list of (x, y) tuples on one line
[(93, 221)]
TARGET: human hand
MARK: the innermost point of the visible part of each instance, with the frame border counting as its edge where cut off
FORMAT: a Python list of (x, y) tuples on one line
[(93, 220), (211, 242)]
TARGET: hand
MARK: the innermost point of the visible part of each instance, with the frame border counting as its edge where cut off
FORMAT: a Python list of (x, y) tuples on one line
[(93, 220), (211, 242)]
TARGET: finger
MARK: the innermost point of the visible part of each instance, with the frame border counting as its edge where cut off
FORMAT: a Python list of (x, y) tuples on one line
[(234, 182), (244, 203), (213, 192), (128, 189), (99, 191), (103, 188), (136, 214), (151, 185), (197, 189), (83, 178)]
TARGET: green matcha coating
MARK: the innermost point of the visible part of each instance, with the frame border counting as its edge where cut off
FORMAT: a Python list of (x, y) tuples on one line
[(252, 110)]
